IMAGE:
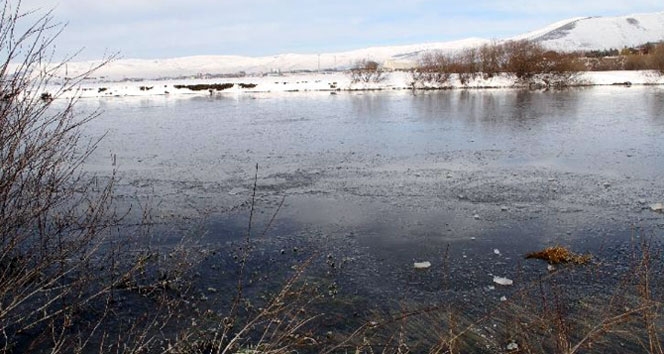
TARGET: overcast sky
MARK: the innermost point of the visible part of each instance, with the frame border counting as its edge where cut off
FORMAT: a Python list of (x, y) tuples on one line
[(172, 28)]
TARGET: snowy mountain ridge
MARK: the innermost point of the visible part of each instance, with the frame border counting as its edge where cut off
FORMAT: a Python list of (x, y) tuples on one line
[(576, 34)]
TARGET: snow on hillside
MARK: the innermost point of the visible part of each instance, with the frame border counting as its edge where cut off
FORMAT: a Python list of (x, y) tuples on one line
[(534, 35), (596, 33), (584, 33), (223, 64)]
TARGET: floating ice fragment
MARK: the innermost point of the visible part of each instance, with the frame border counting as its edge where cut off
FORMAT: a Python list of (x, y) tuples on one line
[(476, 216), (422, 265), (236, 191), (503, 298), (512, 346), (657, 207), (502, 281), (496, 251)]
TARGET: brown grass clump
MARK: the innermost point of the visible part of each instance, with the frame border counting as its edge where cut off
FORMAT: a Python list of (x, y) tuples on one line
[(558, 255)]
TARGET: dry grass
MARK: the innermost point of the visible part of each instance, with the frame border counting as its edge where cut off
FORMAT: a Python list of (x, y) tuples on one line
[(559, 255), (556, 313)]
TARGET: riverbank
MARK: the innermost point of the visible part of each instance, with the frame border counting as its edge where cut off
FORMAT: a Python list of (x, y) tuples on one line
[(334, 82)]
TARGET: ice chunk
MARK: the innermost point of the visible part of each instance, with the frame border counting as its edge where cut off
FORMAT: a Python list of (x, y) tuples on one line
[(512, 346), (236, 191), (422, 265), (502, 281)]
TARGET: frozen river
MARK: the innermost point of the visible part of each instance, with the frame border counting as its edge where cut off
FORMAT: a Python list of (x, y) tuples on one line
[(382, 180)]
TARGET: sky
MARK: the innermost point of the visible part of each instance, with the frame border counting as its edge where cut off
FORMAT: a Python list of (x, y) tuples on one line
[(174, 28)]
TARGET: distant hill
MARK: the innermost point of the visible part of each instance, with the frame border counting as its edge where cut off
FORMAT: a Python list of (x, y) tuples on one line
[(597, 33), (589, 33)]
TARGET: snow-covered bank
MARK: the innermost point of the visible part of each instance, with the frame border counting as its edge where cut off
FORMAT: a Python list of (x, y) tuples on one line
[(334, 81)]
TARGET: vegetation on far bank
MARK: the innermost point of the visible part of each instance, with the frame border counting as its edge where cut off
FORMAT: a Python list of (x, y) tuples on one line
[(529, 62)]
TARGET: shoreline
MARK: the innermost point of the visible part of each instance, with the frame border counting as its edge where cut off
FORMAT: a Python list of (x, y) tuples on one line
[(334, 82)]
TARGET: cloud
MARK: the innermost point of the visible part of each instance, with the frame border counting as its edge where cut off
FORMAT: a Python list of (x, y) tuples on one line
[(167, 28), (570, 8)]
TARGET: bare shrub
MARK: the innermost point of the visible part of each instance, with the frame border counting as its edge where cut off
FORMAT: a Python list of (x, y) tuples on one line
[(465, 77), (468, 61), (65, 257), (528, 61), (491, 59), (436, 68), (636, 62), (433, 69), (560, 70), (523, 58), (465, 65), (657, 58), (537, 67), (366, 71), (51, 220), (604, 63)]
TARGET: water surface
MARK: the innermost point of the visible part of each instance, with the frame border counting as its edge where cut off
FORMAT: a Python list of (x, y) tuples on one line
[(388, 178)]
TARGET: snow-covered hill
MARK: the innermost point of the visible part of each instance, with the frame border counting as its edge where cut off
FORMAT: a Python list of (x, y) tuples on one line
[(596, 33), (224, 64), (569, 35)]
